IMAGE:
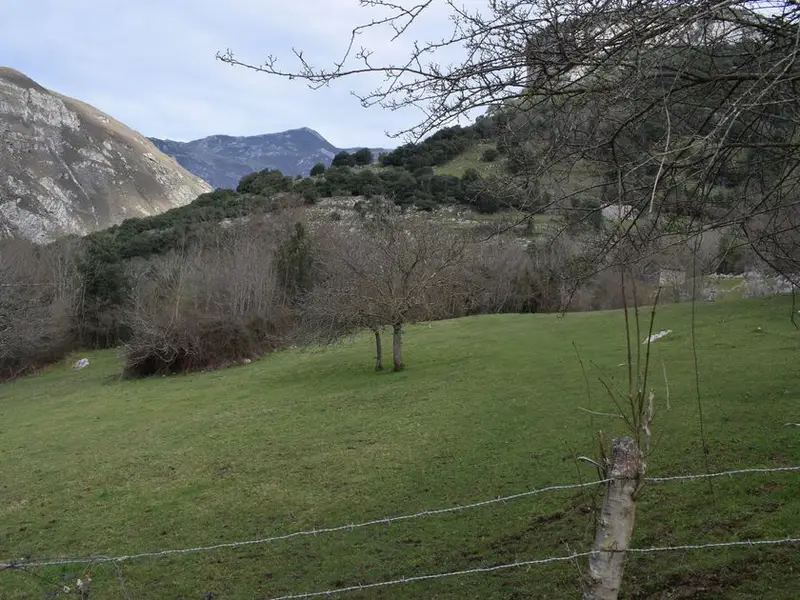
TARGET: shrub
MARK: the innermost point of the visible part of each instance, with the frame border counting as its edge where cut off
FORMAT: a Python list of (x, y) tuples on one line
[(480, 193), (308, 190), (208, 308), (425, 203), (195, 343), (362, 157), (490, 155), (294, 261), (264, 183), (343, 159)]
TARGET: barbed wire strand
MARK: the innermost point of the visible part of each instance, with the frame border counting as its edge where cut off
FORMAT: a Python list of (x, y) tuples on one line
[(721, 474), (527, 563), (61, 561)]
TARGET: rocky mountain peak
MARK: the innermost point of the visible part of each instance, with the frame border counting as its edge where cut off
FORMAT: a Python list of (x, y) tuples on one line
[(66, 167)]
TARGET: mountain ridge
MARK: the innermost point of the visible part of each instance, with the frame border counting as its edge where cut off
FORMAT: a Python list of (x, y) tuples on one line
[(222, 160)]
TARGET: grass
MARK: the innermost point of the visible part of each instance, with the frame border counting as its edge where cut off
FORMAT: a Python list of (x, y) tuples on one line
[(488, 405), (472, 158)]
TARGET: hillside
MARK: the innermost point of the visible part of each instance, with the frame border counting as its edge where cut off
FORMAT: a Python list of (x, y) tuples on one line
[(71, 169), (223, 160), (310, 439), (463, 170)]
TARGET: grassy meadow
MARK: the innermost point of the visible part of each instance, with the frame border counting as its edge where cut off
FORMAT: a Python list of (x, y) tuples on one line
[(491, 405)]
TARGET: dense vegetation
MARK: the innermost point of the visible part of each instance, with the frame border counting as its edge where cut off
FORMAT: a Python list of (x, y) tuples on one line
[(99, 274), (442, 146), (147, 282), (407, 178), (405, 175), (133, 281), (224, 293)]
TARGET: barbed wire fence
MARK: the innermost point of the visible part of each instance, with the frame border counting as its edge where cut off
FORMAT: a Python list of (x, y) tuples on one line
[(529, 563), (29, 565)]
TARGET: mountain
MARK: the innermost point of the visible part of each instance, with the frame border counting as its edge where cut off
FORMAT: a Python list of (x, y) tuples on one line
[(66, 167), (223, 160)]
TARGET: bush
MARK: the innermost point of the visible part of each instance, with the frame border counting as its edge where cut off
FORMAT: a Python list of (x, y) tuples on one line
[(400, 185), (308, 190), (425, 203), (490, 155), (343, 159), (317, 169), (362, 157), (195, 344), (480, 193), (264, 183), (209, 308)]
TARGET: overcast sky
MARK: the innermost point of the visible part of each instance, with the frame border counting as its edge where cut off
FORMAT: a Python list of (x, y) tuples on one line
[(151, 63)]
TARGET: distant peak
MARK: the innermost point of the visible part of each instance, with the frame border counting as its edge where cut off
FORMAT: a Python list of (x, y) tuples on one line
[(222, 137), (312, 132)]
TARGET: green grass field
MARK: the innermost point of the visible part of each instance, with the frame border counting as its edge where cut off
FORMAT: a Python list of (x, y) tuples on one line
[(95, 465)]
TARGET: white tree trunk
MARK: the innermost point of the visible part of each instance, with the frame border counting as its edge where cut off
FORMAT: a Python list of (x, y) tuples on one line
[(615, 525), (397, 347)]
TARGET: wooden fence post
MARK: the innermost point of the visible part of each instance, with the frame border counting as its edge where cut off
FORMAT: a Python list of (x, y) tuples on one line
[(615, 525)]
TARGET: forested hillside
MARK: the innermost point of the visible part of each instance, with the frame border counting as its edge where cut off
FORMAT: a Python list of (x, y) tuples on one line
[(178, 289)]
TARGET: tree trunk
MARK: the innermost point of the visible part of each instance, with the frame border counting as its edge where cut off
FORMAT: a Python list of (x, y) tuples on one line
[(397, 346), (615, 525), (378, 350)]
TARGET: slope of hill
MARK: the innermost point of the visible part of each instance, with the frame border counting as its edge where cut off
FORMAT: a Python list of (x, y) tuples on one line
[(223, 160), (69, 168), (309, 439)]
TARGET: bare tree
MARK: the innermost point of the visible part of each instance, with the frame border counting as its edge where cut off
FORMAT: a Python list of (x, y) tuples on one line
[(498, 276), (393, 271), (39, 291), (209, 305)]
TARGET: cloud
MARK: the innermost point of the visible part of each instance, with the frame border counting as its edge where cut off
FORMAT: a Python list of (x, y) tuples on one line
[(151, 64)]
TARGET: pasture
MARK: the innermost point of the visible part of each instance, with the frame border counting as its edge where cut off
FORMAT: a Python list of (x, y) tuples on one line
[(492, 405)]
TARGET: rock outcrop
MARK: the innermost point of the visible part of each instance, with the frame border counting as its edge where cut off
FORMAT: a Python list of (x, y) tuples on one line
[(67, 168)]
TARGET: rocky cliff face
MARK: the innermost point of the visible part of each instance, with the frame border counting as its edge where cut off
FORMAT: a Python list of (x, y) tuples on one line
[(223, 160), (65, 167)]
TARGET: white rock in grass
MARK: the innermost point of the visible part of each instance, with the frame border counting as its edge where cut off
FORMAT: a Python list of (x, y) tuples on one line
[(79, 364), (657, 336)]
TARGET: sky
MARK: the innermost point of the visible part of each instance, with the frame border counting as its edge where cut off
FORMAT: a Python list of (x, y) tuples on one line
[(151, 63)]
